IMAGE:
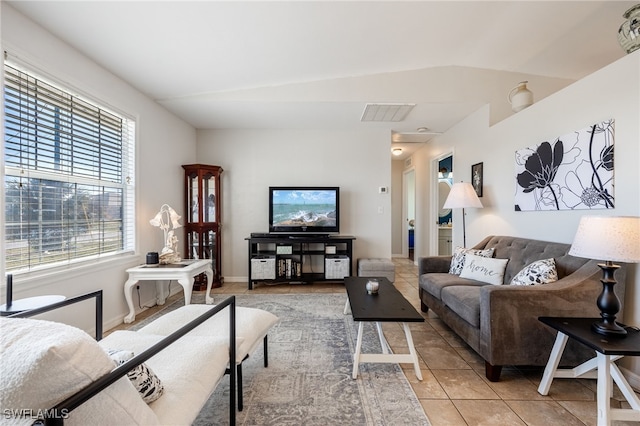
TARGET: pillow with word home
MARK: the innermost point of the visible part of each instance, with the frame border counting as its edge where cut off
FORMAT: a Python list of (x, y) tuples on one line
[(458, 258), (487, 270)]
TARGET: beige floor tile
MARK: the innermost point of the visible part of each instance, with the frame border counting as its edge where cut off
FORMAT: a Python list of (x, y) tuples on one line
[(585, 411), (470, 356), (428, 388), (488, 413), (514, 386), (543, 413), (442, 412), (570, 390), (441, 357), (464, 384)]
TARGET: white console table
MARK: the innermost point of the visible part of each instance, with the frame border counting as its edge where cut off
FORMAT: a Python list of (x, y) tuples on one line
[(183, 272)]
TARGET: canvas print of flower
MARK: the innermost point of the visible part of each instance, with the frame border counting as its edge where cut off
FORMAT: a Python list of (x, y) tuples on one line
[(574, 172)]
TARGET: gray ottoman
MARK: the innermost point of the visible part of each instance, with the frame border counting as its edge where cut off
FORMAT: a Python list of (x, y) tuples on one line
[(377, 267)]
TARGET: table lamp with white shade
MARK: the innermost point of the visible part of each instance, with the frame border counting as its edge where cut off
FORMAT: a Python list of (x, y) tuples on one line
[(608, 238), (462, 195)]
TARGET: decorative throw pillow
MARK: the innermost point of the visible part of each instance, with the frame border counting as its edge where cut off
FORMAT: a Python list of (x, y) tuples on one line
[(539, 272), (457, 260), (487, 270), (142, 377)]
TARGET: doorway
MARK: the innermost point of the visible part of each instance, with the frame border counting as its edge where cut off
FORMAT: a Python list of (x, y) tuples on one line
[(444, 179), (409, 212)]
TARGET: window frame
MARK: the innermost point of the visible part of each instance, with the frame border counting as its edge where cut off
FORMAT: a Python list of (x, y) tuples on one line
[(127, 231)]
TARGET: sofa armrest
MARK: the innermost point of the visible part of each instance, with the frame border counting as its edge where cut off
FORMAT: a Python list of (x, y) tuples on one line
[(434, 264), (509, 328)]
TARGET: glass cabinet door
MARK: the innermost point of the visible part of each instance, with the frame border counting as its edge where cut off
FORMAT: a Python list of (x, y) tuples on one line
[(203, 217), (209, 183)]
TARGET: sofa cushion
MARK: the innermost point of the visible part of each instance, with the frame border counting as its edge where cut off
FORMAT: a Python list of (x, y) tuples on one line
[(464, 301), (458, 258), (148, 385), (433, 283), (45, 362), (190, 369), (251, 325), (522, 251), (487, 270), (539, 272)]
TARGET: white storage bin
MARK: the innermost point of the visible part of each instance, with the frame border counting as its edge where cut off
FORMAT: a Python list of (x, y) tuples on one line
[(336, 267), (263, 268)]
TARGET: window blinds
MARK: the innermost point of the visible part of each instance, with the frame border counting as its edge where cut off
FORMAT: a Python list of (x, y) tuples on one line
[(68, 175)]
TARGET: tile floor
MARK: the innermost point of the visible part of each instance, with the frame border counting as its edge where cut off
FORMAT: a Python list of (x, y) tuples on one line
[(454, 390)]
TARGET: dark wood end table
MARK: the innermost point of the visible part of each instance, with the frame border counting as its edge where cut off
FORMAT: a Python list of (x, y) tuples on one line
[(608, 350), (387, 306)]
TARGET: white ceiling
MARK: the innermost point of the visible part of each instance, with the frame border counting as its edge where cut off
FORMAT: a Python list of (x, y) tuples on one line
[(299, 64)]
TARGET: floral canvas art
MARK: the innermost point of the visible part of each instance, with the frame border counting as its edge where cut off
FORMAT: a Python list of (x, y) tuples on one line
[(574, 172)]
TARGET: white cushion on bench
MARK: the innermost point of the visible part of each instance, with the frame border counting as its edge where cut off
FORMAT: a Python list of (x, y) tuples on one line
[(189, 369), (252, 325)]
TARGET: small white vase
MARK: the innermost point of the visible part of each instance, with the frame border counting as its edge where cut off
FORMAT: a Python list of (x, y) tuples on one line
[(372, 286), (520, 97)]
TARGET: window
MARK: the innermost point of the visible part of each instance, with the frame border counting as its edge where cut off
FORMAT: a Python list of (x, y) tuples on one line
[(67, 182)]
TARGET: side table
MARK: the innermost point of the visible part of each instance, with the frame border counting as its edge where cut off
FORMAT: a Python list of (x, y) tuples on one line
[(183, 272), (29, 303), (608, 350)]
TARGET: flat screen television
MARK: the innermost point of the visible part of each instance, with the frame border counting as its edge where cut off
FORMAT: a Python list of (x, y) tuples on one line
[(304, 209)]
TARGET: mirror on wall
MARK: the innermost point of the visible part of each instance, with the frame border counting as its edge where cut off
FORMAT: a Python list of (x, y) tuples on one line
[(444, 187)]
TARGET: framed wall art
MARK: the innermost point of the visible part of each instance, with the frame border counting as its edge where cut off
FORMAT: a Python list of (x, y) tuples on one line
[(476, 178), (573, 172)]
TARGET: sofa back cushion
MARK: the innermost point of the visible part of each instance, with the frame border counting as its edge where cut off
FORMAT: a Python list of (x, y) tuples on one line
[(523, 251)]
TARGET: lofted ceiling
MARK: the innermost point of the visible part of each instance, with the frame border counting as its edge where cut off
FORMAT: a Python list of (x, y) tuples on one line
[(315, 65)]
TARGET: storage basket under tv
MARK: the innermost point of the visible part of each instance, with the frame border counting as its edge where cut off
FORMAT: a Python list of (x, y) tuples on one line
[(263, 268), (336, 267)]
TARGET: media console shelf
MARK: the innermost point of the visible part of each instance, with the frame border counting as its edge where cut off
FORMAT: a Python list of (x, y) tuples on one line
[(299, 258)]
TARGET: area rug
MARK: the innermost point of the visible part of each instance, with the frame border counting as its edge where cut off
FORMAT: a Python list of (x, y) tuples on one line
[(308, 380)]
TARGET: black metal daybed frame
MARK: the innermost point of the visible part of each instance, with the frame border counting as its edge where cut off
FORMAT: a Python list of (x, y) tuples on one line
[(80, 397)]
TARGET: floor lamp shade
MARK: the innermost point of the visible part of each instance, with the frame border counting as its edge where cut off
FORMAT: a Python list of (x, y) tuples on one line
[(462, 195), (608, 238)]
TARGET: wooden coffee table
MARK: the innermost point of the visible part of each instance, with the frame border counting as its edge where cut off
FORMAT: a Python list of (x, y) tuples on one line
[(387, 306)]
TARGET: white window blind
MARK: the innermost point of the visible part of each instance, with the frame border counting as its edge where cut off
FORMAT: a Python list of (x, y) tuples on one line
[(68, 184)]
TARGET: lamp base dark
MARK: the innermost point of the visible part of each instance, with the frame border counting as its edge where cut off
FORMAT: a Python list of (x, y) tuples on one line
[(608, 303), (608, 329)]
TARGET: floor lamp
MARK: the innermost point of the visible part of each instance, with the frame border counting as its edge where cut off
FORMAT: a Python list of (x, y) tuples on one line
[(462, 195)]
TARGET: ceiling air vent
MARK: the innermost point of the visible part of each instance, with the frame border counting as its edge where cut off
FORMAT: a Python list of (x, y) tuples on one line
[(386, 112)]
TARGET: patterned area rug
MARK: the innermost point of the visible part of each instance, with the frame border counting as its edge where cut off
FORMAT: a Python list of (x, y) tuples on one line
[(308, 381)]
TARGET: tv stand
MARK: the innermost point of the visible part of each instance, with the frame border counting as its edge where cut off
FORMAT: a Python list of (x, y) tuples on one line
[(299, 258)]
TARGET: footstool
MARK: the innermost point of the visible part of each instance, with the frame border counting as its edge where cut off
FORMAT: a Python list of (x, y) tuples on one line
[(377, 267)]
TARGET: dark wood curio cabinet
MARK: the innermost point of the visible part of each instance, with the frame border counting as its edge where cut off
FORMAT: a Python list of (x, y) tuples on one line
[(203, 218)]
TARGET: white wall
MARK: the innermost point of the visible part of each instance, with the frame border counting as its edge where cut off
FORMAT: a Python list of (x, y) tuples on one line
[(164, 143), (253, 160), (613, 92)]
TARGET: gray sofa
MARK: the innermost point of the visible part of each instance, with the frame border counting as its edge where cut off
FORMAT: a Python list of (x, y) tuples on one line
[(500, 322)]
